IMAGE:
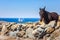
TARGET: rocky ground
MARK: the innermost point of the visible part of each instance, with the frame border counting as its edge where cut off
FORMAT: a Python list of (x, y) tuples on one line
[(16, 31)]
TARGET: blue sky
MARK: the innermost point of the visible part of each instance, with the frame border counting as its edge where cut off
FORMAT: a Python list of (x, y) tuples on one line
[(27, 8)]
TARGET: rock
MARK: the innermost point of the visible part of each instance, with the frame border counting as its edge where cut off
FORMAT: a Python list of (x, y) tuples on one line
[(51, 24), (55, 35), (59, 17), (6, 38), (1, 26), (14, 27), (41, 22), (58, 25), (20, 33), (4, 30), (57, 38), (3, 37), (12, 23), (29, 25), (13, 33), (31, 30), (29, 33), (24, 28), (5, 23), (42, 30), (17, 38), (49, 30), (39, 32)]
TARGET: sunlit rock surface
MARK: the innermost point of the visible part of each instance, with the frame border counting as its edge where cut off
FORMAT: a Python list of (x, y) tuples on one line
[(15, 31)]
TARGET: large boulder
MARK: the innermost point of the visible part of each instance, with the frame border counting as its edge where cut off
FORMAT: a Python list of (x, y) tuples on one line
[(49, 30), (39, 32), (29, 33), (55, 35)]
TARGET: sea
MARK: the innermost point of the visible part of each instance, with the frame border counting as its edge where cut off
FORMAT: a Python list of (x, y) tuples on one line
[(20, 20)]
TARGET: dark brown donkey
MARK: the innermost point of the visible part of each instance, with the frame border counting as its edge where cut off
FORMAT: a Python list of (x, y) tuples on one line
[(47, 16)]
